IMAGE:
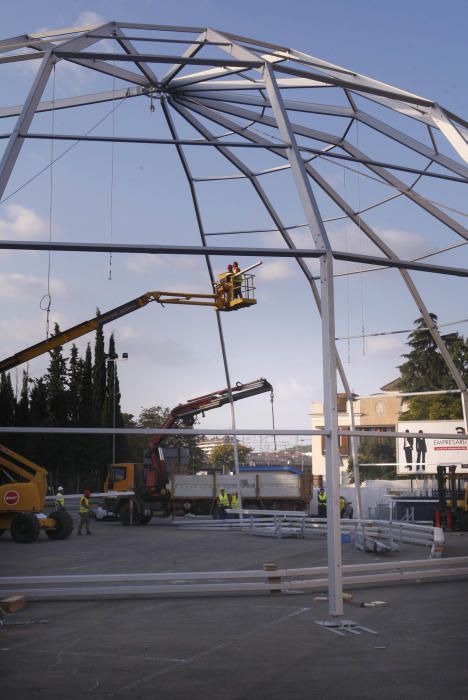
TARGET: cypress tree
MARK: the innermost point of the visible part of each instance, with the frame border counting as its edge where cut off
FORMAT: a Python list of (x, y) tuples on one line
[(112, 411), (7, 401), (7, 409), (99, 376), (425, 370), (22, 409), (75, 371), (57, 413), (85, 456), (85, 400), (57, 386), (23, 442), (38, 417)]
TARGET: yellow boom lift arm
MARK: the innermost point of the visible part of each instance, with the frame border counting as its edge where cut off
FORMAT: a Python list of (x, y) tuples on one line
[(223, 300)]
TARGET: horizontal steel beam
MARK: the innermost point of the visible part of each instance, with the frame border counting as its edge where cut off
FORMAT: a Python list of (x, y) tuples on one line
[(232, 250), (141, 591), (80, 101), (162, 431), (143, 140), (154, 58), (239, 144), (162, 249), (213, 431), (412, 564), (161, 40)]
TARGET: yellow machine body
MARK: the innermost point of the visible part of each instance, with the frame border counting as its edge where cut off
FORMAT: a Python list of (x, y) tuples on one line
[(25, 497)]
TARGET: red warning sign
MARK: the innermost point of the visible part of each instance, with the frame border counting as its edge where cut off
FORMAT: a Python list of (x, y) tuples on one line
[(11, 498)]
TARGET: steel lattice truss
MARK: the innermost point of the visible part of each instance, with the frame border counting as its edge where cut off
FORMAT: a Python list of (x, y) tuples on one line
[(241, 97)]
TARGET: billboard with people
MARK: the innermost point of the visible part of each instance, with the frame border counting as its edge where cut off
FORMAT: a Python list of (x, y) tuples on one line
[(420, 455)]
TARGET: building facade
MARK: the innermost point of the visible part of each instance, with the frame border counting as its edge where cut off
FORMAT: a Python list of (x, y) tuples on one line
[(380, 412)]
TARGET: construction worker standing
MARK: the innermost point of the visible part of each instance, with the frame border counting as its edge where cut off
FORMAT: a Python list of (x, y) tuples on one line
[(223, 503), (343, 503), (237, 280), (84, 512), (322, 503), (59, 499), (235, 505)]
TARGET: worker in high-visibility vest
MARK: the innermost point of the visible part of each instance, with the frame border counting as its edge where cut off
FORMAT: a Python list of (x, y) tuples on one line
[(343, 503), (223, 503), (237, 280), (322, 503), (59, 499), (84, 512), (235, 504)]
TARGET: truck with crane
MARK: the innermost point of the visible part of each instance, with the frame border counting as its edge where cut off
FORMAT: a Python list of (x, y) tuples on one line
[(136, 492)]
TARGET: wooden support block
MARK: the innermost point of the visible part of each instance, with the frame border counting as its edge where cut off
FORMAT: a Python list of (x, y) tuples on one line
[(13, 603), (347, 597)]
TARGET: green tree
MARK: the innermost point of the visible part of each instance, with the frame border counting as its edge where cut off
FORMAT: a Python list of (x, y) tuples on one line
[(56, 380), (39, 417), (22, 443), (112, 411), (75, 377), (424, 369), (7, 401), (22, 409), (222, 456), (377, 452), (99, 376), (85, 399), (7, 409)]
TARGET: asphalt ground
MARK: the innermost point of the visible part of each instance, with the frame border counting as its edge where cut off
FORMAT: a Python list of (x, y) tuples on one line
[(230, 647)]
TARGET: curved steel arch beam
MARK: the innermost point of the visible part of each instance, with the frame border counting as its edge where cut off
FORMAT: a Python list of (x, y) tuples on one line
[(367, 230)]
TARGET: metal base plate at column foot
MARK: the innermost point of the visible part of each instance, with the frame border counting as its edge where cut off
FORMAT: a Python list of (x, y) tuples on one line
[(342, 627)]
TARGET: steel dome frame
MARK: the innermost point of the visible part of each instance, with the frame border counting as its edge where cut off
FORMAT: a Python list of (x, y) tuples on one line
[(242, 88)]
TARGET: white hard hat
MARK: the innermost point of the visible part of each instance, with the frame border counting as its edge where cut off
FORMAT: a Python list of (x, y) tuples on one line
[(60, 488)]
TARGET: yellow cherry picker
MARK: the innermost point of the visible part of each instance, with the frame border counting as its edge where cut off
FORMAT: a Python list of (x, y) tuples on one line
[(225, 297)]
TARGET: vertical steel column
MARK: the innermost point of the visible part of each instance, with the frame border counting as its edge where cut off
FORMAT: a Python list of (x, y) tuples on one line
[(332, 456), (24, 121), (319, 234)]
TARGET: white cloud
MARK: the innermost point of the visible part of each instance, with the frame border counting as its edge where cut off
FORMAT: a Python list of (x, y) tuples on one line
[(22, 223), (15, 333), (144, 263), (384, 343), (290, 389), (402, 241), (89, 17), (126, 333), (15, 285), (64, 69), (277, 270)]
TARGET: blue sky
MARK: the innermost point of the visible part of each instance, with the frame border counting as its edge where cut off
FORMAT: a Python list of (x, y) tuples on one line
[(174, 352)]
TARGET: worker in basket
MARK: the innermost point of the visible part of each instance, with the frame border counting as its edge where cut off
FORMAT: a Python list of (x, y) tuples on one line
[(237, 280)]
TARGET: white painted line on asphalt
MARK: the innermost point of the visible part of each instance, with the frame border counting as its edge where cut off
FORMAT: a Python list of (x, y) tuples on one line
[(206, 652)]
